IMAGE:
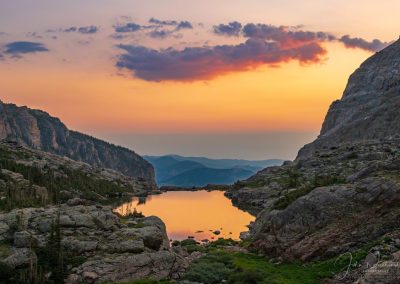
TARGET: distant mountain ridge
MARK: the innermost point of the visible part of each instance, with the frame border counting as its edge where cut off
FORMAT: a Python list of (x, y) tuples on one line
[(182, 171), (38, 130)]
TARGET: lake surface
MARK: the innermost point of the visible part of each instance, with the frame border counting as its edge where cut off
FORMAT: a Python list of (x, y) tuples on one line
[(193, 213)]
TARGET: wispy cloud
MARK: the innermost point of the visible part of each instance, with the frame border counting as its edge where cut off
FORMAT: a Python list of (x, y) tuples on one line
[(356, 42), (127, 28), (162, 22), (160, 33), (83, 30), (284, 34)]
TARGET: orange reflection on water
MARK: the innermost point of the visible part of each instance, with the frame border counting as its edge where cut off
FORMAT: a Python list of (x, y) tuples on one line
[(197, 214)]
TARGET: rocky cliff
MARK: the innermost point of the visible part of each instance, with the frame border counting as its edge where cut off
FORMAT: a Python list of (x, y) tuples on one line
[(369, 106), (37, 129), (342, 192)]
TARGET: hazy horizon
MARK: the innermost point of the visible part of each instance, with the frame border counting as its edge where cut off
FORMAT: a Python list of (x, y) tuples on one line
[(248, 146)]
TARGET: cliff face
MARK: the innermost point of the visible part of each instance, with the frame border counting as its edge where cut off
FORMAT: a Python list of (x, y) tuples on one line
[(39, 130), (342, 192), (369, 108)]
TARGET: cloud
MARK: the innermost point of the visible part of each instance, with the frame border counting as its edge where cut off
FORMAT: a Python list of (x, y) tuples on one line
[(284, 34), (204, 63), (88, 30), (374, 45), (231, 29), (160, 33), (179, 25), (22, 47), (127, 28), (71, 29), (82, 30), (162, 23), (184, 25)]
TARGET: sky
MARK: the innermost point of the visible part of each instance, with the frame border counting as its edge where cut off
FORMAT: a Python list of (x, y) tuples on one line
[(241, 79)]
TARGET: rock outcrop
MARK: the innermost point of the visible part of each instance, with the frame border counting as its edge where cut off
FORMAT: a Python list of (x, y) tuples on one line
[(96, 245), (343, 190), (39, 130)]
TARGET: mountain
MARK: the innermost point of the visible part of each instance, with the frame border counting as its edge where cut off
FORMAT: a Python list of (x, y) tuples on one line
[(182, 171), (31, 177), (230, 163), (39, 130), (202, 176), (342, 193)]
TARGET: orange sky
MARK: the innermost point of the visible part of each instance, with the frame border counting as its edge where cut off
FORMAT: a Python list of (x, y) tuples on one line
[(77, 79), (289, 98)]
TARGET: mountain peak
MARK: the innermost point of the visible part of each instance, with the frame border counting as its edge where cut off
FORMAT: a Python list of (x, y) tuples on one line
[(368, 109)]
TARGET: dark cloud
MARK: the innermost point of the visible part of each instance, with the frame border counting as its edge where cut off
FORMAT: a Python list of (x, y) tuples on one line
[(184, 25), (71, 30), (203, 63), (88, 30), (82, 30), (22, 47), (295, 36), (160, 33), (284, 34), (127, 28), (374, 45), (162, 23), (178, 25), (231, 29)]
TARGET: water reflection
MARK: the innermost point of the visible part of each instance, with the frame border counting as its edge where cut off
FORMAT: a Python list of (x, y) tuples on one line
[(200, 214)]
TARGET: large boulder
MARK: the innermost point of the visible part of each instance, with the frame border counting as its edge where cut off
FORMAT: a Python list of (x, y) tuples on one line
[(110, 248)]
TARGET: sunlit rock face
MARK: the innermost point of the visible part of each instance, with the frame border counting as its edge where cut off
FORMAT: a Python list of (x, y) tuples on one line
[(37, 129), (369, 108)]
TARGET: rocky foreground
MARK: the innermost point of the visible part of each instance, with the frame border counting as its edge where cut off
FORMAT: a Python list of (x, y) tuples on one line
[(95, 245)]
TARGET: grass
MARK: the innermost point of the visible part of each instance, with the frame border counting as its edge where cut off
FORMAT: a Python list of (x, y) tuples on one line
[(246, 268)]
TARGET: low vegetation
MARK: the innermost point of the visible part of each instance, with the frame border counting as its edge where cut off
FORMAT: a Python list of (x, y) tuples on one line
[(294, 193), (246, 268)]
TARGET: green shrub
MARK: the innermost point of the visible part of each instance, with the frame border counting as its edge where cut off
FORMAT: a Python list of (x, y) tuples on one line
[(221, 242), (188, 242), (208, 272)]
